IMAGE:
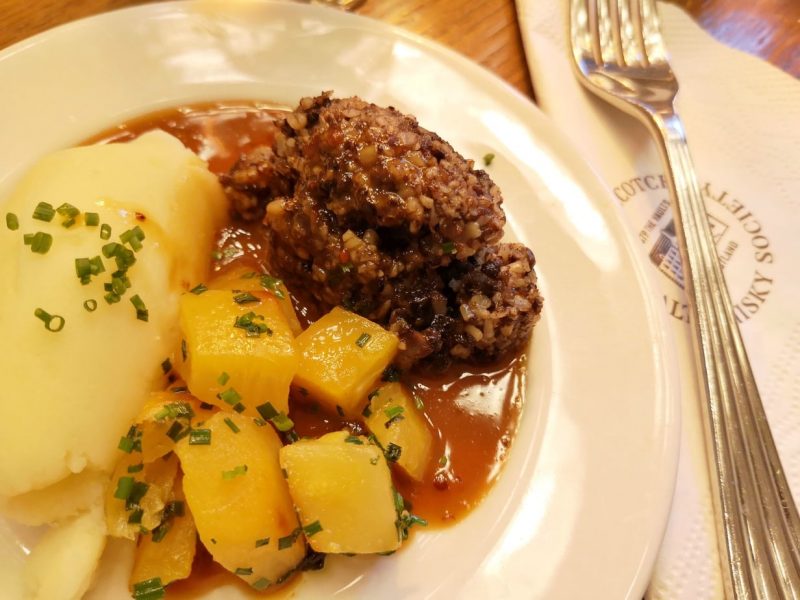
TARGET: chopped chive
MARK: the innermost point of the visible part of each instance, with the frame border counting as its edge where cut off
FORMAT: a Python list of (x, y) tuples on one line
[(253, 329), (260, 422), (141, 310), (213, 541), (90, 305), (312, 528), (86, 267), (393, 411), (216, 255), (160, 531), (110, 249), (12, 221), (448, 248), (367, 411), (124, 488), (354, 439), (40, 242), (111, 298), (135, 518), (239, 407), (198, 289), (175, 410), (67, 223), (244, 571), (392, 452), (133, 237), (126, 444), (44, 211), (105, 231), (137, 493), (488, 158), (166, 365), (288, 541), (54, 323), (67, 210), (177, 432), (232, 425), (200, 437), (443, 460), (91, 219), (340, 410), (223, 378), (150, 589), (284, 473), (248, 275), (235, 472), (393, 420), (282, 423), (391, 374), (273, 285), (363, 339), (230, 396), (245, 298), (267, 411), (399, 502), (184, 351), (262, 542), (418, 401), (135, 468), (262, 584), (374, 460), (176, 508)]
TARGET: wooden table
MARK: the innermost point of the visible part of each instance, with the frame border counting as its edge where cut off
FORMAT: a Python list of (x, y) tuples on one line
[(484, 30)]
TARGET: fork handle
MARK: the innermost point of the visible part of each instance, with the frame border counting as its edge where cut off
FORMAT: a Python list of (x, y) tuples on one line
[(758, 523)]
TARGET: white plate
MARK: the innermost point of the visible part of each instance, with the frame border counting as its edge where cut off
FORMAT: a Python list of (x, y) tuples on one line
[(581, 506)]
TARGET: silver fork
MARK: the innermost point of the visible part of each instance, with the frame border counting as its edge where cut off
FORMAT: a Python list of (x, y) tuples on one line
[(618, 54)]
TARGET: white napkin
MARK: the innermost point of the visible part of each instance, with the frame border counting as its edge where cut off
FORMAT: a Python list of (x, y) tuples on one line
[(742, 118)]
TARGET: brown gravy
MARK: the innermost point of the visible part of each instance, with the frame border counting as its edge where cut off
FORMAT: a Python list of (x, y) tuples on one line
[(473, 411)]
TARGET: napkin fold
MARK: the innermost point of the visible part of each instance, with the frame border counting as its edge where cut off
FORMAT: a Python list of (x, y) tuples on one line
[(742, 118)]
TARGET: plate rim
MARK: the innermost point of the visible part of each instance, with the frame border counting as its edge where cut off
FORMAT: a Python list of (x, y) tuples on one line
[(644, 277)]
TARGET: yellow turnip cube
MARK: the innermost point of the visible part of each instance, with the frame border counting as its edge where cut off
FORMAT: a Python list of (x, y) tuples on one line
[(167, 552), (239, 351), (395, 420), (343, 492), (239, 499), (341, 356)]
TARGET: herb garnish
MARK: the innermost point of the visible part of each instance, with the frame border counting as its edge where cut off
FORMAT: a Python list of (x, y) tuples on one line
[(272, 284), (200, 437), (44, 211), (40, 242), (150, 589), (235, 472), (12, 221), (245, 298)]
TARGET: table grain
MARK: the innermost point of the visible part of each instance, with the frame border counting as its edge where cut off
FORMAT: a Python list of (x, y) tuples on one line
[(487, 31)]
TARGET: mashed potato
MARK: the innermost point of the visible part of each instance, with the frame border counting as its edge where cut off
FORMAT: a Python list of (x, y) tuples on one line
[(68, 396)]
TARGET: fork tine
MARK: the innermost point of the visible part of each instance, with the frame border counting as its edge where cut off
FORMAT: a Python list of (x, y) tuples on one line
[(616, 35), (604, 32), (580, 30), (651, 32), (631, 43)]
